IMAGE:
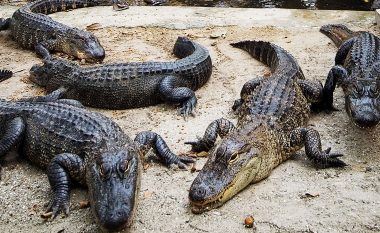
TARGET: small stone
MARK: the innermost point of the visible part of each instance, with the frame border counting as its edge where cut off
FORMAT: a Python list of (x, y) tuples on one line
[(249, 221)]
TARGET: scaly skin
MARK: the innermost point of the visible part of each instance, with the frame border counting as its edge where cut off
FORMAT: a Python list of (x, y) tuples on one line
[(74, 144), (131, 85), (33, 29), (272, 124), (357, 71)]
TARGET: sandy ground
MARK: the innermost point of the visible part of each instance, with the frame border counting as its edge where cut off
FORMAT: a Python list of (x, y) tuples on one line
[(346, 200)]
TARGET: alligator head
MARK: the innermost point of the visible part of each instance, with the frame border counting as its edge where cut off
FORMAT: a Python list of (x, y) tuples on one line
[(51, 69), (113, 182), (232, 165), (83, 45), (362, 99)]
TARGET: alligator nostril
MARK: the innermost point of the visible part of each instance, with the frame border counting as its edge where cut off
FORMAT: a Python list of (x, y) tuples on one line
[(366, 120), (197, 194)]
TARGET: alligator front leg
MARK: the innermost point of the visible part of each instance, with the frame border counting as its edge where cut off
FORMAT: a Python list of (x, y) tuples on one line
[(148, 139), (221, 127), (52, 97), (311, 140), (182, 95), (337, 76), (5, 23), (14, 130), (343, 50), (247, 88), (43, 49), (61, 170)]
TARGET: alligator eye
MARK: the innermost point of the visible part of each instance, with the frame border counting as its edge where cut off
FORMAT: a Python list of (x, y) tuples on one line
[(233, 158), (374, 91), (127, 165), (103, 171)]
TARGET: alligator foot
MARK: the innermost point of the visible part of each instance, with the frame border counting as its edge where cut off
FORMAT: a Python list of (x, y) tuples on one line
[(156, 2), (5, 74), (56, 206), (327, 159), (119, 5), (237, 105), (319, 107), (188, 107)]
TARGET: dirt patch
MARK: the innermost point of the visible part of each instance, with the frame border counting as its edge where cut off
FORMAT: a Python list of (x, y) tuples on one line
[(337, 200)]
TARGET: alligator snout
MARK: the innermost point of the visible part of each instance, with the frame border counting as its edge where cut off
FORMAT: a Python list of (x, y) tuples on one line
[(365, 120), (97, 54), (197, 193), (116, 221)]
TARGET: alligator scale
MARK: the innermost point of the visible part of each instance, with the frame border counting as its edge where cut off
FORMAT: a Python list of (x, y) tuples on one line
[(272, 124), (357, 71), (33, 29), (131, 85), (76, 145)]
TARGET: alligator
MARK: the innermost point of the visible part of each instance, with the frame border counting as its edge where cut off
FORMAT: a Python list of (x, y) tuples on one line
[(76, 145), (5, 74), (357, 71), (33, 29), (131, 85), (272, 116)]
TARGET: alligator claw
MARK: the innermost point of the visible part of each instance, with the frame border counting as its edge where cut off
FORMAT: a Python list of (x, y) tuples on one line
[(187, 109), (5, 74), (56, 206), (182, 161), (331, 160)]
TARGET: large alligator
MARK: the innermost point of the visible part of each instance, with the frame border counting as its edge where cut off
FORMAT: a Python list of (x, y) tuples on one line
[(33, 29), (131, 85), (76, 145), (272, 124), (357, 71)]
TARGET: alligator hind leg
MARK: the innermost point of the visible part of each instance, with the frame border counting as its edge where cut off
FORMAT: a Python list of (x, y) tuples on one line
[(311, 140), (13, 132), (183, 95), (221, 127), (148, 139), (247, 88), (5, 23), (5, 74), (61, 170)]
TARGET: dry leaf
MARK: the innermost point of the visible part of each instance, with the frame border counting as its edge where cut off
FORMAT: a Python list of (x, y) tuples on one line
[(93, 27), (148, 194), (84, 204), (46, 215)]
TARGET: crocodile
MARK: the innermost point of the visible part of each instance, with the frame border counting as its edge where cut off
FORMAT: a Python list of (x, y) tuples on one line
[(357, 71), (272, 124), (5, 74), (131, 85), (76, 145), (33, 29)]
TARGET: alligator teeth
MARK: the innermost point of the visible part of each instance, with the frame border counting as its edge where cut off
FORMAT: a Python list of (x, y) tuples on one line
[(5, 74)]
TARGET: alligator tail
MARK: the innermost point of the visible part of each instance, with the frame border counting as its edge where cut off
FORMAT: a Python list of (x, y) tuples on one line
[(338, 33), (4, 23), (263, 51), (5, 74), (183, 47)]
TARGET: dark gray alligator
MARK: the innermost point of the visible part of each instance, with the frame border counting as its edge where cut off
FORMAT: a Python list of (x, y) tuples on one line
[(357, 71), (131, 85), (272, 124), (5, 74), (76, 145), (33, 29)]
